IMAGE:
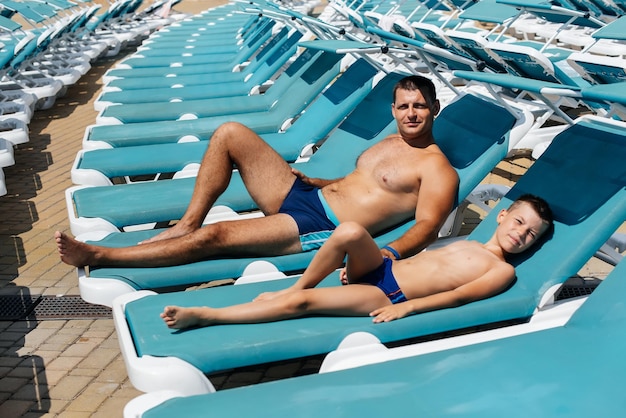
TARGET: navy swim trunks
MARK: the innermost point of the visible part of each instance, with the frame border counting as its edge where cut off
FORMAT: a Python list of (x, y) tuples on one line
[(383, 278), (307, 206)]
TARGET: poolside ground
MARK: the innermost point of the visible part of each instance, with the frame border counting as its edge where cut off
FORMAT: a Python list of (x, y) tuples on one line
[(72, 367)]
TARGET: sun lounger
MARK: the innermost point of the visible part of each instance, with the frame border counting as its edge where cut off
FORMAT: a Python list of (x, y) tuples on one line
[(473, 148), (349, 90), (44, 88), (308, 75), (532, 374), (227, 41), (325, 66), (226, 54), (584, 157), (263, 67)]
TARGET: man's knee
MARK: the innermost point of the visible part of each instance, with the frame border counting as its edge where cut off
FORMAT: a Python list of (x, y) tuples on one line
[(230, 130), (214, 235)]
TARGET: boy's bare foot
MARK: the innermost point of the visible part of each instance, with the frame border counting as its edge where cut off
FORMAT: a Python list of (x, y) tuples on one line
[(176, 231), (73, 252), (179, 318)]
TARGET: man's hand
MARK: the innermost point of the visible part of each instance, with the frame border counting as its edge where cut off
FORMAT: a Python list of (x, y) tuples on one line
[(390, 313), (388, 254), (343, 276), (302, 176)]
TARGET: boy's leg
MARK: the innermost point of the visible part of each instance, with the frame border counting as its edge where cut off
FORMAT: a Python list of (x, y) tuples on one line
[(352, 300), (349, 239)]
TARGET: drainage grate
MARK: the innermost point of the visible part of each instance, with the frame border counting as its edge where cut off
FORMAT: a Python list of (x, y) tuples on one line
[(14, 307), (568, 291), (69, 307)]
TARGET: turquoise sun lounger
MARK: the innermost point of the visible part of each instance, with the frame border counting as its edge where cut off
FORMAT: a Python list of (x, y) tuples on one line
[(324, 65), (218, 74), (535, 374), (349, 90), (212, 84), (580, 175), (308, 75), (473, 149)]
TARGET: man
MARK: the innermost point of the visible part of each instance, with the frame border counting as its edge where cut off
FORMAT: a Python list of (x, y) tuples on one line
[(404, 175)]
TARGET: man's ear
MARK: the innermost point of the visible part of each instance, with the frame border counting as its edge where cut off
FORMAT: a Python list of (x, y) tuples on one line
[(436, 107)]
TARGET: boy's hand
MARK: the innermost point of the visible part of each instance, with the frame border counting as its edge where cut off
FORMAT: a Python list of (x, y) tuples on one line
[(390, 313)]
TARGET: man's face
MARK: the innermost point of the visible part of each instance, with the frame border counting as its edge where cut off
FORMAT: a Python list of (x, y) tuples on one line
[(413, 114)]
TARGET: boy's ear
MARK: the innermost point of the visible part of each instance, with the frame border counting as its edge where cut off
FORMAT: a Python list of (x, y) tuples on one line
[(501, 215)]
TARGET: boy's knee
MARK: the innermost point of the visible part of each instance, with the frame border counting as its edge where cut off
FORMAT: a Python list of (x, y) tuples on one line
[(295, 302), (350, 231)]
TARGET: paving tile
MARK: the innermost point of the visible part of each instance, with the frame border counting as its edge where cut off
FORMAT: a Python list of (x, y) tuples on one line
[(69, 386), (64, 362), (14, 408)]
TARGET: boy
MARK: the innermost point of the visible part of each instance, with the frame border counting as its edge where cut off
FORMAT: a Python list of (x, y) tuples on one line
[(387, 289)]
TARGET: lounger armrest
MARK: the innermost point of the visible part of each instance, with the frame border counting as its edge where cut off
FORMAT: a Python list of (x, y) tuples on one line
[(80, 225), (148, 373), (359, 350), (87, 176)]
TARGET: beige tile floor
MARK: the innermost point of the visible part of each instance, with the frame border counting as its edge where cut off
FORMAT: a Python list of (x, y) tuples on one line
[(73, 368)]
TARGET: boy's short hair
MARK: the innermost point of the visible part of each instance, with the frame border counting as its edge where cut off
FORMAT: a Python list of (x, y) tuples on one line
[(417, 82), (539, 205)]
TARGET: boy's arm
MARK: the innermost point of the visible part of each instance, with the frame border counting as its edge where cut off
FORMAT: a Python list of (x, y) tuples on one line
[(489, 284)]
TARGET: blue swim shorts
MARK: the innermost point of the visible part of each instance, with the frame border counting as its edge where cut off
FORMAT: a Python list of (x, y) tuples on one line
[(383, 278), (315, 220)]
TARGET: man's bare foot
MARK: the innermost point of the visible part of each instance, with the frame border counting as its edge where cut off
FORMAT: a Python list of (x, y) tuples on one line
[(176, 231), (179, 318), (73, 252)]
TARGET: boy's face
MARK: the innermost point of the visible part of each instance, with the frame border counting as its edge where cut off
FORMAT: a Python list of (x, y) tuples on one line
[(519, 228), (414, 115)]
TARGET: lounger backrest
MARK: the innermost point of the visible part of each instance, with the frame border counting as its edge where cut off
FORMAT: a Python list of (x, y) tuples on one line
[(598, 69), (356, 133), (583, 178)]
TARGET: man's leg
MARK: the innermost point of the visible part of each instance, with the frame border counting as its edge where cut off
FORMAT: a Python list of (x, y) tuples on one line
[(265, 173), (270, 235)]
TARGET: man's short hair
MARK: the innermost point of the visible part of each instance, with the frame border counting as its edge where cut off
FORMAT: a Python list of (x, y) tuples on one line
[(417, 82)]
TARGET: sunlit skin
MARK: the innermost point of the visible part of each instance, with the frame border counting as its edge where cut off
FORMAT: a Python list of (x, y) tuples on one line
[(403, 176), (465, 271)]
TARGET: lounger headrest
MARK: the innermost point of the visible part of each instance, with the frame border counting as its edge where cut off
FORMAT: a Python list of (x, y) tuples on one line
[(466, 128)]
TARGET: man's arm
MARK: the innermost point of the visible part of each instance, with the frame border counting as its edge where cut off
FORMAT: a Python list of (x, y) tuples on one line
[(489, 284), (435, 200), (313, 181)]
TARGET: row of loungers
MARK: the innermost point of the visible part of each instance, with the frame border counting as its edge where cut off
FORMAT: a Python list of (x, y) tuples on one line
[(46, 47), (287, 74)]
